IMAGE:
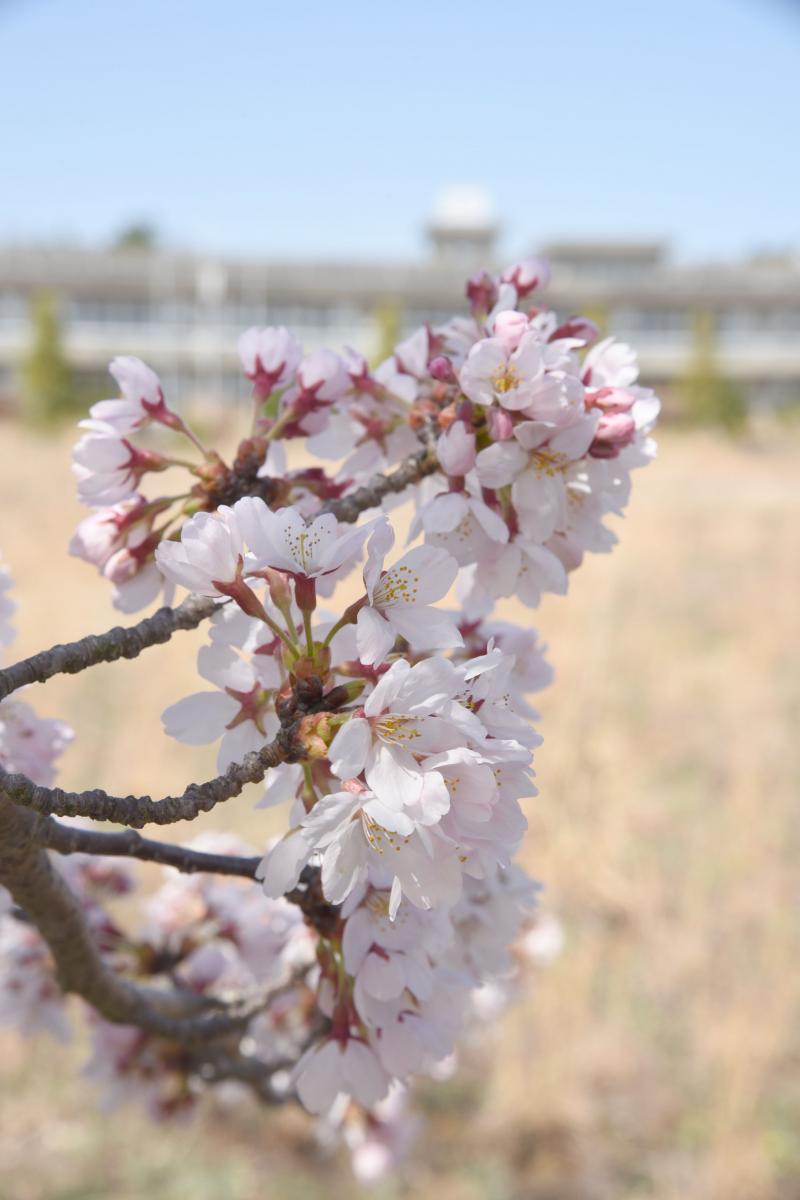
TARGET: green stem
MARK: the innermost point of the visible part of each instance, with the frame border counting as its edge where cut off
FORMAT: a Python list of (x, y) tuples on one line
[(309, 634), (348, 617), (332, 632), (193, 438), (276, 629)]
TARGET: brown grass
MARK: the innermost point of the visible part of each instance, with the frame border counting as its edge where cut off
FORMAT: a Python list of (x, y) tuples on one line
[(658, 1056)]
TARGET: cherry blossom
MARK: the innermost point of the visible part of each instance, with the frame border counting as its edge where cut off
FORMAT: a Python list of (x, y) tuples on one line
[(241, 712), (411, 714), (527, 275), (285, 541), (512, 378), (142, 398), (347, 830), (30, 998), (400, 602), (270, 356), (108, 467), (208, 558)]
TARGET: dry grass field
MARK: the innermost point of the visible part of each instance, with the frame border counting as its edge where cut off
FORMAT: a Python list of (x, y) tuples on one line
[(659, 1056)]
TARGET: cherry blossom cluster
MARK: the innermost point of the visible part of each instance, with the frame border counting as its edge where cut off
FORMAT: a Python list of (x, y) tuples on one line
[(407, 800), (217, 938), (384, 995), (537, 427), (392, 703)]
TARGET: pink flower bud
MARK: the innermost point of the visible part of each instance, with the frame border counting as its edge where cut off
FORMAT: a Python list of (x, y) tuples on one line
[(321, 379), (122, 566), (98, 535), (280, 593), (509, 326), (614, 432), (611, 400), (501, 424), (576, 327), (481, 293), (527, 275), (269, 356), (455, 449), (441, 369)]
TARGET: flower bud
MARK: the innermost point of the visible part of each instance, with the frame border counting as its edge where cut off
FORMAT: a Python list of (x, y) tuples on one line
[(614, 432), (509, 326), (527, 274), (345, 693), (576, 327), (611, 400), (500, 423), (280, 593), (441, 369), (315, 734), (482, 294), (455, 449)]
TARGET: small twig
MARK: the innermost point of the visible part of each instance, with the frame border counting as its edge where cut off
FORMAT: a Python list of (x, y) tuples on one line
[(127, 843), (106, 647), (219, 1066), (415, 468)]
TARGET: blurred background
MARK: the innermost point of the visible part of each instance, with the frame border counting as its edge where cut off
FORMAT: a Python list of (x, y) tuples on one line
[(175, 173)]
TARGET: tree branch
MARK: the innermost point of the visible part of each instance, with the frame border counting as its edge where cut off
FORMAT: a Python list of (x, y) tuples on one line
[(126, 843), (136, 811), (106, 647), (119, 642), (415, 468), (221, 1066), (27, 872)]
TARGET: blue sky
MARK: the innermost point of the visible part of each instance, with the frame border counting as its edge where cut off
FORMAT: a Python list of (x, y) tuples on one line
[(328, 128)]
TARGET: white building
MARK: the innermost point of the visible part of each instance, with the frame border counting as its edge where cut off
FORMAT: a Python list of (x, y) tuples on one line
[(183, 312)]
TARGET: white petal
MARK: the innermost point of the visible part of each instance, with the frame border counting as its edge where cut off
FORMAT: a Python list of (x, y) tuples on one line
[(281, 784), (426, 628), (280, 869), (366, 1079), (199, 719), (319, 1077), (221, 665), (348, 751), (374, 636), (498, 464), (394, 777), (380, 543), (382, 977), (490, 522), (359, 933)]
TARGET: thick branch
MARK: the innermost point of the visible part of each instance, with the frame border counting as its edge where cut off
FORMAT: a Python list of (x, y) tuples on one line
[(136, 811), (28, 874), (70, 839), (106, 647)]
